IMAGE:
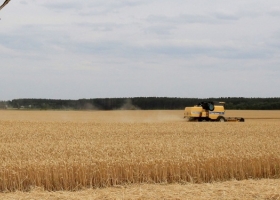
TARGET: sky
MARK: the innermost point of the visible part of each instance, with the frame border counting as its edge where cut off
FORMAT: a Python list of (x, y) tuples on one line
[(70, 49)]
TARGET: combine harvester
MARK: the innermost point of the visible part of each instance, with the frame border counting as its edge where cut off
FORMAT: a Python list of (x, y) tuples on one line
[(209, 112)]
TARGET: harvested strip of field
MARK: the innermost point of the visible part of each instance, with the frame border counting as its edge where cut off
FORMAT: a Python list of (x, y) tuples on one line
[(231, 190), (123, 116), (72, 155)]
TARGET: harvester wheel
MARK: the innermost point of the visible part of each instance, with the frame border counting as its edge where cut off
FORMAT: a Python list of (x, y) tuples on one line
[(242, 120), (221, 119)]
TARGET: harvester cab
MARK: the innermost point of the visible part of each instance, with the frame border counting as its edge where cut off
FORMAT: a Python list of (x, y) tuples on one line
[(209, 111)]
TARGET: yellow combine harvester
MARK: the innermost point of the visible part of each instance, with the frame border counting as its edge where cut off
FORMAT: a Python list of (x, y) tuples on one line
[(209, 111)]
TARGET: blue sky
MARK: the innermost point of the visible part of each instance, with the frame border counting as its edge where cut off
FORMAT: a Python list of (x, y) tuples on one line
[(94, 49)]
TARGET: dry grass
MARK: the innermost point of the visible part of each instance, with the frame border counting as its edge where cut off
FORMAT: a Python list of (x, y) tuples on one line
[(75, 150)]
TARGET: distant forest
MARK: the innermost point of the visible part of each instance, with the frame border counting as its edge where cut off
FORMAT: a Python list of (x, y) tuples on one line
[(142, 103)]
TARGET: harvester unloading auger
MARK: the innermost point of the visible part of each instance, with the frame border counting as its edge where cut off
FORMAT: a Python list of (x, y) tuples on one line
[(209, 111)]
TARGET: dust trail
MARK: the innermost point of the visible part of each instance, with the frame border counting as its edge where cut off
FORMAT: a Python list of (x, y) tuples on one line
[(89, 106), (128, 105)]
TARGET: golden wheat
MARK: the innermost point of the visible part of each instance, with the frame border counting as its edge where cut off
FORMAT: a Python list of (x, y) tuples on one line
[(65, 153)]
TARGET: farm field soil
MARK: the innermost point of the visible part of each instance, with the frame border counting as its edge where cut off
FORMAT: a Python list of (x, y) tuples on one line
[(137, 155)]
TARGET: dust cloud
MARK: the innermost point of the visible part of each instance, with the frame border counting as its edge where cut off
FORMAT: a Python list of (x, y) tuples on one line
[(129, 106)]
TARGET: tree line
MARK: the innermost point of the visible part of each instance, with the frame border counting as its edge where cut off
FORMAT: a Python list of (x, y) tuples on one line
[(143, 103)]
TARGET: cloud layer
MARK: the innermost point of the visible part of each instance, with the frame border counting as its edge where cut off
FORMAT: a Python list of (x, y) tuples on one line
[(83, 49)]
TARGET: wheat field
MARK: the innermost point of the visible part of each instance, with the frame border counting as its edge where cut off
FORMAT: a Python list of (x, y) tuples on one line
[(74, 150)]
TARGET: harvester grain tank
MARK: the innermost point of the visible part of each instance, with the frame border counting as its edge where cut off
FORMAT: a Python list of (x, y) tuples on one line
[(209, 111)]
